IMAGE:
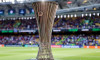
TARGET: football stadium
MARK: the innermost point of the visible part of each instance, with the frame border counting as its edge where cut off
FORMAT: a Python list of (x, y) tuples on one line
[(49, 29)]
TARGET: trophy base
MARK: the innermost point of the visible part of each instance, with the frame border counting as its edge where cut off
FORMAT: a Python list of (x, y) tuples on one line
[(31, 59), (40, 59)]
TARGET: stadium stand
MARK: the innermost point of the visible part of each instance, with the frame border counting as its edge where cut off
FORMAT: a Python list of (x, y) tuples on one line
[(60, 23), (69, 40)]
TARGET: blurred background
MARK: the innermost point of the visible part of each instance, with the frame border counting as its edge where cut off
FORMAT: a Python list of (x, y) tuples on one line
[(76, 29)]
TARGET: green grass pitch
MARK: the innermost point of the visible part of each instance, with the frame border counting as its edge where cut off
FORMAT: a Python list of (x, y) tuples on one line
[(22, 53)]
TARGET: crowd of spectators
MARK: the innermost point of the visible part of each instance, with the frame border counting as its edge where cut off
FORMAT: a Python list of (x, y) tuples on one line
[(60, 23), (76, 40), (82, 39), (18, 24), (78, 23)]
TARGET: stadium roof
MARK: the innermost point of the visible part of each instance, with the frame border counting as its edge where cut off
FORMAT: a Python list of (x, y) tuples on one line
[(65, 6), (62, 3)]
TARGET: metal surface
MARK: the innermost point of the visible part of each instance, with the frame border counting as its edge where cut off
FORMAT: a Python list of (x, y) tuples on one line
[(45, 13)]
